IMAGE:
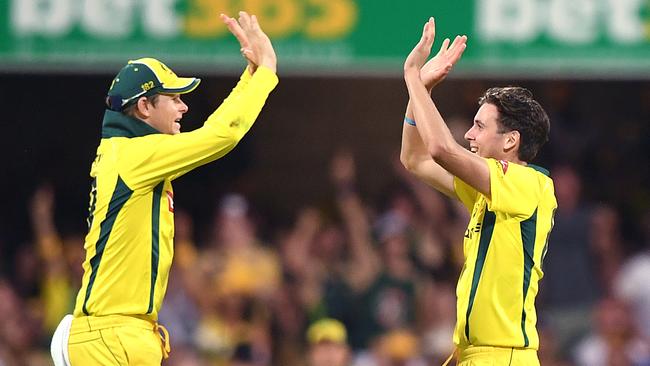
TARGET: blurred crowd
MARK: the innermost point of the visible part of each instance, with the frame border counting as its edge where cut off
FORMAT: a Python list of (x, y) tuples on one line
[(360, 283), (376, 284)]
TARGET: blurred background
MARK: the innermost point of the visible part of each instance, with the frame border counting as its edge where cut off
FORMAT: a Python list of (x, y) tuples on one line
[(312, 216)]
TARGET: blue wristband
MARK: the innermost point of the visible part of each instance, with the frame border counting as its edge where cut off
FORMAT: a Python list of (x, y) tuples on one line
[(409, 121)]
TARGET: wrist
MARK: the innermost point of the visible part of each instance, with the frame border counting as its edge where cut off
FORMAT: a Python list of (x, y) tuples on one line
[(411, 72), (269, 63), (270, 67)]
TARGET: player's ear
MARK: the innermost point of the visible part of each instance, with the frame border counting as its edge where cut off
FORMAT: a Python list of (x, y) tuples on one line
[(512, 139), (142, 107)]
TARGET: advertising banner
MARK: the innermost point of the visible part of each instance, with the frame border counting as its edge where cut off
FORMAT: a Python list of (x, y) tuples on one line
[(598, 38)]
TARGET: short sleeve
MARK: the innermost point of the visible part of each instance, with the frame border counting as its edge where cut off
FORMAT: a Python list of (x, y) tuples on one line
[(466, 193), (514, 188)]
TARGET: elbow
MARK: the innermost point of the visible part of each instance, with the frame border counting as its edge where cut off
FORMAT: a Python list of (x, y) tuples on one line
[(229, 141), (436, 151), (403, 158), (408, 162), (233, 136), (439, 150)]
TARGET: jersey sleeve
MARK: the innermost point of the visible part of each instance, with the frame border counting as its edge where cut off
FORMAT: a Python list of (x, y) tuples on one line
[(514, 188), (465, 193), (152, 158)]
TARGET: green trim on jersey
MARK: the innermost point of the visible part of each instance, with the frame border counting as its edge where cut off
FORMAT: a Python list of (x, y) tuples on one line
[(155, 235), (117, 124), (496, 289), (486, 237), (135, 247), (121, 194), (528, 232), (540, 169)]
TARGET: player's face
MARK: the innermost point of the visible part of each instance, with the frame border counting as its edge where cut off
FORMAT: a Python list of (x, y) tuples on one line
[(166, 115), (328, 354), (484, 137)]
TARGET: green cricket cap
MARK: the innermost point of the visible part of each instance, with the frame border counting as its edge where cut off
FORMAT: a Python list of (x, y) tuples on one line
[(145, 77)]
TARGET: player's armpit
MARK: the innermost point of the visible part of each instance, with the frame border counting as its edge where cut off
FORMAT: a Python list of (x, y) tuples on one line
[(435, 176), (469, 167)]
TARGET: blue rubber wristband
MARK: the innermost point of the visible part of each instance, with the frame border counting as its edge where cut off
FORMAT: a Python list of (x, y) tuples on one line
[(409, 121)]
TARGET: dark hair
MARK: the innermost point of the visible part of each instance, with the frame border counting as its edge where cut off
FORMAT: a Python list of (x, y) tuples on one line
[(518, 111), (130, 109)]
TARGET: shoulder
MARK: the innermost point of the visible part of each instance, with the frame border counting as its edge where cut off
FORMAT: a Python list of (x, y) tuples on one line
[(513, 172)]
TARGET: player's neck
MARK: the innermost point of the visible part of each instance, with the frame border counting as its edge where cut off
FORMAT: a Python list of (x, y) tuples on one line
[(511, 158)]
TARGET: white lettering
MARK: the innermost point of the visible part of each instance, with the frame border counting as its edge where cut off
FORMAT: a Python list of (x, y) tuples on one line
[(108, 18), (624, 22), (507, 20), (51, 18), (573, 21), (160, 19)]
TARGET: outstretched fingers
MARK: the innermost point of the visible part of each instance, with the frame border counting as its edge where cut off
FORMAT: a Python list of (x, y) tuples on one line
[(457, 48), (428, 34), (255, 24), (258, 49), (244, 20), (236, 30), (443, 47)]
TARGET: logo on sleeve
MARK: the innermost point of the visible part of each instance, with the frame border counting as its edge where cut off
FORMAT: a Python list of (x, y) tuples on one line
[(504, 165), (170, 201)]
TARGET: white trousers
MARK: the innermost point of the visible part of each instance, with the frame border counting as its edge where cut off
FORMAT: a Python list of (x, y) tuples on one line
[(59, 345)]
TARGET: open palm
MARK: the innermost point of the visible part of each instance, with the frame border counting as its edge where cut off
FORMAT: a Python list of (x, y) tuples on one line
[(438, 67), (255, 45)]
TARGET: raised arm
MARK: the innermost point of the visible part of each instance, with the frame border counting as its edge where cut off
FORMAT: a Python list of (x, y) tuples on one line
[(414, 155), (365, 263), (436, 137), (50, 247), (170, 156), (416, 159)]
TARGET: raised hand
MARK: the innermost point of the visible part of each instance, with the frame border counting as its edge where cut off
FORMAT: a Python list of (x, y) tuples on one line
[(342, 168), (42, 204), (437, 68), (256, 46), (422, 49)]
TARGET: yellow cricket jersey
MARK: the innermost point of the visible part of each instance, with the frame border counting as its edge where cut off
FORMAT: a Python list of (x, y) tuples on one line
[(129, 246), (504, 246)]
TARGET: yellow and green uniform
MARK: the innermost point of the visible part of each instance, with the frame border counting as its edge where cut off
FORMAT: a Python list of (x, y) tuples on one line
[(129, 246), (504, 246)]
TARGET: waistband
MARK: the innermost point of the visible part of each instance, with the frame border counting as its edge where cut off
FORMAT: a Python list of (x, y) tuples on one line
[(470, 351), (92, 323)]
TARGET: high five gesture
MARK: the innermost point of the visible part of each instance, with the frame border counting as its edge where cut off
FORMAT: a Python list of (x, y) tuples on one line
[(256, 46)]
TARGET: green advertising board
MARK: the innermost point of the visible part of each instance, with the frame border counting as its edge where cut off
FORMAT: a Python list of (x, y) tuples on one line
[(596, 38)]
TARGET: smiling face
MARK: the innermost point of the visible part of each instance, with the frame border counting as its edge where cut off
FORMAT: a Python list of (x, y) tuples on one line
[(165, 113), (487, 139), (484, 137)]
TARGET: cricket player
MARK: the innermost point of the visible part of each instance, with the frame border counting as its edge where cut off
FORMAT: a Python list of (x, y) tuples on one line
[(129, 246), (511, 201)]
